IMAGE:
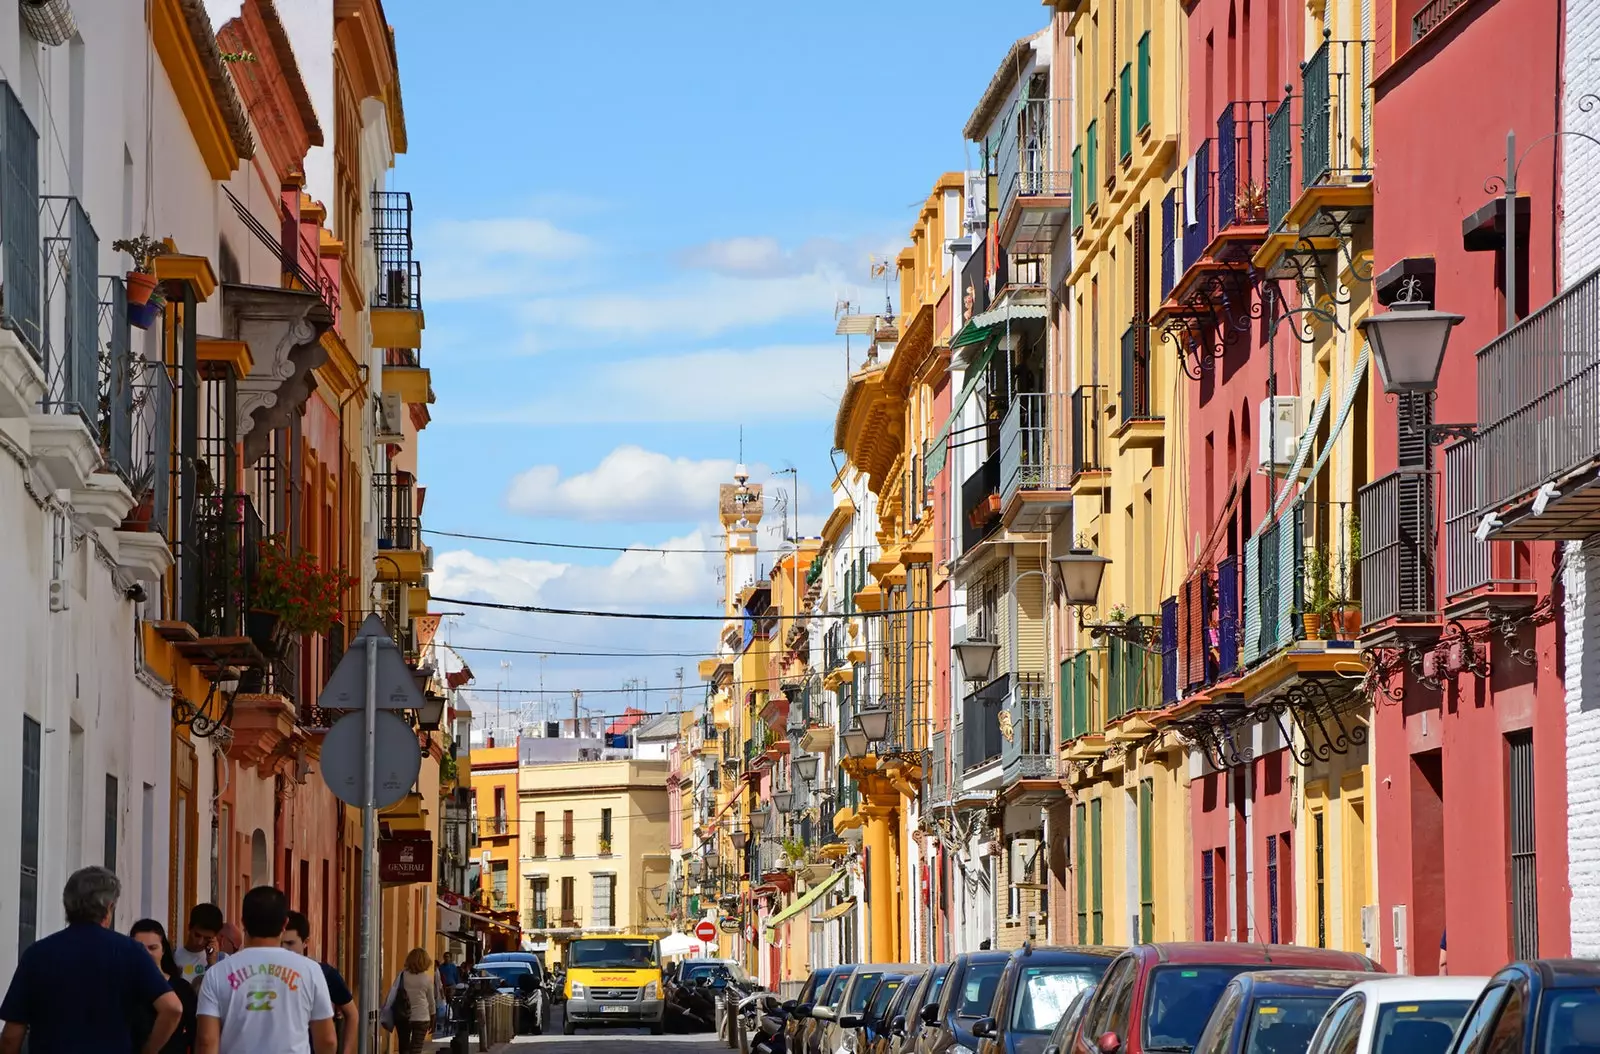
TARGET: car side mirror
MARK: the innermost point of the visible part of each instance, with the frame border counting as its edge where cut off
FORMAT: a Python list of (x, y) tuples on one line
[(823, 1013), (898, 1025), (804, 1009), (929, 1014), (1108, 1043), (985, 1028), (1051, 1049), (852, 1021), (791, 1005)]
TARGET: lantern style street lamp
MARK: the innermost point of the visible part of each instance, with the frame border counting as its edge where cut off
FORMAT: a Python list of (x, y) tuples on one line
[(1081, 572), (739, 839), (784, 800), (874, 721), (758, 821), (977, 657), (856, 743), (1408, 341), (805, 765)]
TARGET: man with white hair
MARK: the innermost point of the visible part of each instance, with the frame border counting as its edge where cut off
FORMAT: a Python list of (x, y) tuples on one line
[(57, 1018)]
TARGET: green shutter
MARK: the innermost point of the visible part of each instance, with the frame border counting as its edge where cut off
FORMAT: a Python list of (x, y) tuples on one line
[(1077, 187), (1091, 162), (1125, 110), (1083, 876), (1095, 875), (1064, 699), (1080, 692), (1147, 870), (1144, 81)]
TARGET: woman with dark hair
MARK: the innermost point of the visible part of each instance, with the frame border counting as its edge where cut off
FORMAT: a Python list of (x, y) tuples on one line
[(153, 936)]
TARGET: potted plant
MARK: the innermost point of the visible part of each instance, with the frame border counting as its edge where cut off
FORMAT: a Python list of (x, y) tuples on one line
[(605, 847), (143, 316), (1350, 610), (142, 488), (1119, 613), (292, 594), (1318, 600), (142, 279)]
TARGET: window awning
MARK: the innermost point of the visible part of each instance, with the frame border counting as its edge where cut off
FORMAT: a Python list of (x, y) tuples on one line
[(838, 911), (809, 898), (1010, 311), (971, 333), (974, 377)]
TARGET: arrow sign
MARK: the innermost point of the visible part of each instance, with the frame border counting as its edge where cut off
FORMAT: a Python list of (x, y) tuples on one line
[(397, 686)]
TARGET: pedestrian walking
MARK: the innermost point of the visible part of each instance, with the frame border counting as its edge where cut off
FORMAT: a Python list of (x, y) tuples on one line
[(153, 937), (46, 1003), (265, 997), (412, 1000), (199, 951), (297, 938)]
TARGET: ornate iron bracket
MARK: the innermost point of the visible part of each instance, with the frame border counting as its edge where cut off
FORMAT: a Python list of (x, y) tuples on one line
[(1382, 663), (1138, 634), (1318, 712), (1509, 627), (1462, 637), (1212, 731), (210, 717)]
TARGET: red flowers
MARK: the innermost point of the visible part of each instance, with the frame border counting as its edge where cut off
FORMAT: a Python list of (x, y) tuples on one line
[(305, 597)]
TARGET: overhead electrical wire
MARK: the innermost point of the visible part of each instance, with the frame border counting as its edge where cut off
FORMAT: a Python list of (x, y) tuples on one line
[(584, 654), (662, 616), (652, 549)]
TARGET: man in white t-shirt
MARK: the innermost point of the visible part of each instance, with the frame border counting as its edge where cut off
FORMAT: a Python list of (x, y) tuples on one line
[(265, 997), (197, 952)]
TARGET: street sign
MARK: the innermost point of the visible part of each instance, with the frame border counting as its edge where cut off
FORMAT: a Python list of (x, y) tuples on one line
[(397, 761), (705, 932), (397, 686), (730, 924)]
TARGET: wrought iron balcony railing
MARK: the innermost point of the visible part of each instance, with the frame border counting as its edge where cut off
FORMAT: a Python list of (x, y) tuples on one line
[(221, 555), (1028, 751), (1136, 402), (980, 723), (980, 503), (20, 258), (1169, 650), (1280, 162), (1087, 402), (71, 332), (1242, 164), (1032, 158), (1397, 560), (1031, 450), (1133, 675), (1471, 566), (395, 493), (1336, 115), (1082, 710), (1539, 397), (938, 769), (399, 273)]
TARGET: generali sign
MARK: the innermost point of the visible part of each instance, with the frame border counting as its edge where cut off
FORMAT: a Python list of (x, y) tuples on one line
[(402, 860)]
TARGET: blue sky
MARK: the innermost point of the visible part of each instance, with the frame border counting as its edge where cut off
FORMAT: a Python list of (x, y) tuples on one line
[(635, 220)]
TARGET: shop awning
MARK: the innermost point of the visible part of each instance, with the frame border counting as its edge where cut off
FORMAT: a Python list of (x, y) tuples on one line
[(804, 902), (838, 911), (1010, 311)]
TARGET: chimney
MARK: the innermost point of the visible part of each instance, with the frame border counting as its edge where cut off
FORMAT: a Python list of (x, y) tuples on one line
[(489, 742)]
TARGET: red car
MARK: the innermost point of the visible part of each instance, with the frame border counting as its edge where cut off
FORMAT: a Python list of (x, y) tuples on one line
[(1157, 998)]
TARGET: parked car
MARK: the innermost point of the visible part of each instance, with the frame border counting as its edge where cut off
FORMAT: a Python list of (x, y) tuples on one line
[(836, 1035), (1546, 1006), (872, 1024), (1397, 1015), (1273, 1011), (521, 976), (1065, 1033), (883, 1033), (800, 1013), (1035, 990), (824, 1010), (907, 1030), (968, 995), (1158, 997)]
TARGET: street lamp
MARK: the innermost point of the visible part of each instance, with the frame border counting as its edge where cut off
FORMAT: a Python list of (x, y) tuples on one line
[(874, 721), (805, 766), (739, 839), (856, 742), (784, 800), (1081, 572), (977, 657), (431, 714), (758, 821), (1409, 341)]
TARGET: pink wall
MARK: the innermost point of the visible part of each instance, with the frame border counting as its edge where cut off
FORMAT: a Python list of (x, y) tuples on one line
[(1242, 891), (1449, 862)]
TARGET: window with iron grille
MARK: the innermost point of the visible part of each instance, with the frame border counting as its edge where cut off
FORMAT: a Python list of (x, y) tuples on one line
[(1319, 875), (1272, 889), (1208, 893), (1524, 891)]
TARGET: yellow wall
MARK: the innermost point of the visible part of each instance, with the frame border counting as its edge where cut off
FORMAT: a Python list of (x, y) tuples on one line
[(495, 768)]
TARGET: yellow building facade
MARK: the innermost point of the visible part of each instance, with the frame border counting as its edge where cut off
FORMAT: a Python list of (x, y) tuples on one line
[(497, 812)]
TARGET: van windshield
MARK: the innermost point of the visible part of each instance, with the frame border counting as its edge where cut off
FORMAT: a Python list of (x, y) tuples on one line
[(862, 991), (613, 953)]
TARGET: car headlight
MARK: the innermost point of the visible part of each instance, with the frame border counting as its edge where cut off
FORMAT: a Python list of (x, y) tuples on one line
[(650, 990), (962, 1048), (576, 992)]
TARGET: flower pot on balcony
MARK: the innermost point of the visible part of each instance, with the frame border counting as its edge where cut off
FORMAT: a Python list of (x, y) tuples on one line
[(139, 517), (262, 627), (140, 286), (143, 316), (1349, 621), (1311, 621)]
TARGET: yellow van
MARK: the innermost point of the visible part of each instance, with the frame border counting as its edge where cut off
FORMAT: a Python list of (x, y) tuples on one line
[(614, 979)]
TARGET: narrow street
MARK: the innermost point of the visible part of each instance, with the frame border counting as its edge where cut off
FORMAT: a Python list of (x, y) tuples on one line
[(607, 1041)]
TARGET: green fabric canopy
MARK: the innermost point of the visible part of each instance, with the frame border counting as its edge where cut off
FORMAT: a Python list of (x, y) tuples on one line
[(804, 902)]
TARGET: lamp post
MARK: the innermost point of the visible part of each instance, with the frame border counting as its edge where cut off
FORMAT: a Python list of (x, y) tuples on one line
[(1409, 341), (874, 721), (856, 742), (977, 656), (805, 765)]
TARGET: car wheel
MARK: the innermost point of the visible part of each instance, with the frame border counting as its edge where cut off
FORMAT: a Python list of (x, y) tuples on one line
[(658, 1028), (569, 1029)]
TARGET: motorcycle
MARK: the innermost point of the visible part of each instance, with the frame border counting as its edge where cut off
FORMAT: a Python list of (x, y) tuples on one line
[(770, 1018)]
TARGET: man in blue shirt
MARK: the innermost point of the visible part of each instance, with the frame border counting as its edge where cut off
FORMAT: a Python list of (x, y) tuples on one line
[(75, 991), (297, 938)]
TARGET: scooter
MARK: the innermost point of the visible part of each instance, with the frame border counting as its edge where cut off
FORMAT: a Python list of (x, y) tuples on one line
[(771, 1017)]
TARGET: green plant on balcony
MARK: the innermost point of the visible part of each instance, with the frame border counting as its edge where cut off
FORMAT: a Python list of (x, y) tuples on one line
[(294, 592), (141, 280), (605, 847), (794, 851), (1319, 592), (1119, 613), (1348, 609)]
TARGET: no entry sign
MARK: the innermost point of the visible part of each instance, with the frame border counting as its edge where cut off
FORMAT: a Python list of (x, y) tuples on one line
[(705, 932)]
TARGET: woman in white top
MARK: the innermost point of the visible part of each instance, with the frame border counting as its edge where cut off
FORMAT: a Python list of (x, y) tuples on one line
[(421, 997)]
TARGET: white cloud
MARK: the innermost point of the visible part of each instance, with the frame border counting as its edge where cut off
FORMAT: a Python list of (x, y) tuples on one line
[(765, 257), (694, 306), (635, 485), (780, 382), (491, 258)]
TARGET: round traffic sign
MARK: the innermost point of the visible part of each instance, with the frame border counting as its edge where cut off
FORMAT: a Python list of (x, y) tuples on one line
[(705, 932), (397, 755)]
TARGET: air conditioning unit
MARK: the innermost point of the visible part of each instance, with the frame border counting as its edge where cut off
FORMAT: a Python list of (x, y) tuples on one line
[(427, 559), (391, 415), (977, 195), (1278, 437), (58, 594), (1023, 850)]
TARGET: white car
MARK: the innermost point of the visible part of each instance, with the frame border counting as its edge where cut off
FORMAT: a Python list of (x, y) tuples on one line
[(1396, 1015)]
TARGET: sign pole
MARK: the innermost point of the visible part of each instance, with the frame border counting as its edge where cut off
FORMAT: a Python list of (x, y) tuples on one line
[(369, 857)]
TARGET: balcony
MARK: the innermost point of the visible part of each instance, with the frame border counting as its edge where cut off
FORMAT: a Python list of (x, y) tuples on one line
[(980, 503), (1539, 419), (1397, 559), (1473, 570), (401, 555), (1034, 176), (1088, 467), (1027, 750), (405, 377), (938, 770), (1140, 423), (546, 920), (396, 303), (980, 723), (1035, 472), (493, 827), (1334, 156)]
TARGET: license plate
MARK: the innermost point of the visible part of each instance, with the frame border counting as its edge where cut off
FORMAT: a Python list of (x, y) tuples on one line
[(613, 1010)]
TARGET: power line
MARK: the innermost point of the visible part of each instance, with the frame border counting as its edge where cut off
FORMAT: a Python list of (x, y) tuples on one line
[(586, 654), (660, 550), (660, 616)]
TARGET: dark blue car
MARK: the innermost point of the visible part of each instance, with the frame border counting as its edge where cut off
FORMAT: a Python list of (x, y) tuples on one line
[(1035, 989), (1546, 1006), (1273, 1011)]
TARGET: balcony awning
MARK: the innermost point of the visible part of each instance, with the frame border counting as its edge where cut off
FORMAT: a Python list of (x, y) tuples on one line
[(805, 901), (839, 911), (974, 376), (1347, 402), (1010, 311), (971, 333)]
